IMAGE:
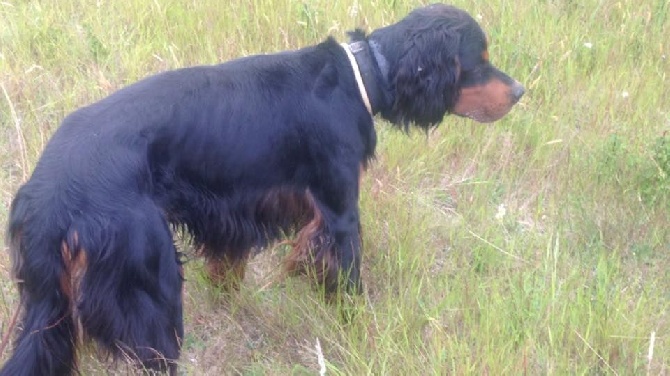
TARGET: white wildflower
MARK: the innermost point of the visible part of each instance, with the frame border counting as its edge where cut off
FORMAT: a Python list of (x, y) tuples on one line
[(501, 212)]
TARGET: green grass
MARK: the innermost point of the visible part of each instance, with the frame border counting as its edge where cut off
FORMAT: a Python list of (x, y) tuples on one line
[(537, 245)]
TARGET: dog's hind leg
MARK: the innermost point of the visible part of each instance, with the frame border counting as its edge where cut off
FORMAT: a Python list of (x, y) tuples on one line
[(45, 344), (131, 295)]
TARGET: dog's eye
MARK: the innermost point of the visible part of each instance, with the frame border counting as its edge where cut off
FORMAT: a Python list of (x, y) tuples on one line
[(473, 75)]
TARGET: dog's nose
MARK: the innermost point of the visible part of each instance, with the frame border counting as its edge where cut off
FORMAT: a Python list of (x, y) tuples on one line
[(517, 92)]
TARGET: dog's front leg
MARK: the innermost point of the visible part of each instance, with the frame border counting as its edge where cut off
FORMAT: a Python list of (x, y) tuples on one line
[(346, 231), (328, 247)]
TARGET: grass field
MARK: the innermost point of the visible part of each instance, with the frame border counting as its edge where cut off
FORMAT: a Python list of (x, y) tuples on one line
[(538, 245)]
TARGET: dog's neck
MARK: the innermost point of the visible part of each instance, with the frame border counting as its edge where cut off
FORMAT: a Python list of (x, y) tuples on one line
[(370, 67), (382, 63)]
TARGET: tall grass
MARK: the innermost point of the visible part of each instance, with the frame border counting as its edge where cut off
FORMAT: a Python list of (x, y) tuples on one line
[(537, 245)]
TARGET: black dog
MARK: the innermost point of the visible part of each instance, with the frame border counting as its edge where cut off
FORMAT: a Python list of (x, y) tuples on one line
[(237, 154)]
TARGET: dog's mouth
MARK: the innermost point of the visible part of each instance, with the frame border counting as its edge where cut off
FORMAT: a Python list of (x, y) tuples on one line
[(479, 116), (484, 116), (488, 103)]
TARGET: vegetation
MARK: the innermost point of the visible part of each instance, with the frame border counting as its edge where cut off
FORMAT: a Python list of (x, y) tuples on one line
[(536, 245)]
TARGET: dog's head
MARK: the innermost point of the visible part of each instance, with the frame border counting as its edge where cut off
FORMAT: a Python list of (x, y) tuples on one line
[(435, 61)]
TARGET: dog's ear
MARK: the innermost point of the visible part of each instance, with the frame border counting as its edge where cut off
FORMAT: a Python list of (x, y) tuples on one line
[(426, 77)]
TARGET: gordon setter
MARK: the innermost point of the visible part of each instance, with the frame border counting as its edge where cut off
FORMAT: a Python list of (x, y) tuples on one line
[(237, 154)]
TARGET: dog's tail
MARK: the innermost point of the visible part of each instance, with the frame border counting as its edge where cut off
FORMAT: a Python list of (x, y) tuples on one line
[(44, 344)]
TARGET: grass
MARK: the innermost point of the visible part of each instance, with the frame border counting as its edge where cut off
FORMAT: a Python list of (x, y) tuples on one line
[(538, 245)]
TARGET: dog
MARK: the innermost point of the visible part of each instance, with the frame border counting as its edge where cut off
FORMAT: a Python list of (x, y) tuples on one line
[(237, 155)]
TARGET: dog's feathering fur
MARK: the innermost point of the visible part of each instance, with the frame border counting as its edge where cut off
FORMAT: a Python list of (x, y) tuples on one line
[(237, 154)]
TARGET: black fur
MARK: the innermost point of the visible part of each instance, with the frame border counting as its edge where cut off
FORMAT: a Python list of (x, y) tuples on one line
[(237, 154)]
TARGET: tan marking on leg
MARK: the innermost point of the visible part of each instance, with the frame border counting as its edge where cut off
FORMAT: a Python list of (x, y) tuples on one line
[(75, 264), (226, 273), (297, 261), (312, 255)]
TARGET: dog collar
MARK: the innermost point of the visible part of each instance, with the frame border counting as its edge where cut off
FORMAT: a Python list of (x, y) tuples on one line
[(350, 50)]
